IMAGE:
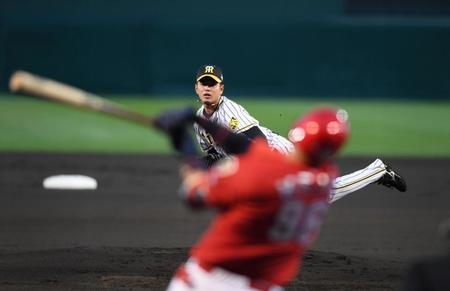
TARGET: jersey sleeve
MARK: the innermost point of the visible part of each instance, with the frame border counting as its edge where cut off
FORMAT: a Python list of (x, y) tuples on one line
[(236, 117)]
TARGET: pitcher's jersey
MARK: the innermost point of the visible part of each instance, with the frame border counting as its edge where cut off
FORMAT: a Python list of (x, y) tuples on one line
[(270, 212), (234, 117)]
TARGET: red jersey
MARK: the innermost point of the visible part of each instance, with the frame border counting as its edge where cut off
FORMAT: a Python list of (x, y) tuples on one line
[(270, 210)]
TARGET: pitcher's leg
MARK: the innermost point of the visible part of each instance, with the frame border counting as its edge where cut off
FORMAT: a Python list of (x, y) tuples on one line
[(352, 182), (377, 171)]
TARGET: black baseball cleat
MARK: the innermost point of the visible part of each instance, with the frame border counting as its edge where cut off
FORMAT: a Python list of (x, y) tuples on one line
[(391, 179)]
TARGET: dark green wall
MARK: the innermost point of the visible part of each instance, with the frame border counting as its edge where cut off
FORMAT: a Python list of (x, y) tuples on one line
[(264, 47)]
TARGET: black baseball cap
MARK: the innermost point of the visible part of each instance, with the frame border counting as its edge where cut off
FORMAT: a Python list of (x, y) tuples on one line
[(211, 71)]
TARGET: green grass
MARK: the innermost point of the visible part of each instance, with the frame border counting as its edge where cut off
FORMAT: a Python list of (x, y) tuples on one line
[(393, 128), (378, 127)]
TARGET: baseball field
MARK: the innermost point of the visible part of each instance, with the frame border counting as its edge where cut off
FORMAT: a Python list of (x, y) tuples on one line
[(132, 232)]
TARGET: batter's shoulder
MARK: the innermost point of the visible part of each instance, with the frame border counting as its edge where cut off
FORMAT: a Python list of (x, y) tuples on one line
[(264, 153)]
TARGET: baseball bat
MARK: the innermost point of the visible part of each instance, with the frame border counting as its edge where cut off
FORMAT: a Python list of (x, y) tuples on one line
[(35, 85)]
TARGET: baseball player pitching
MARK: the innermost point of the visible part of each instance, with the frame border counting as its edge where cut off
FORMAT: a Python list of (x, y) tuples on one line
[(209, 86), (270, 205)]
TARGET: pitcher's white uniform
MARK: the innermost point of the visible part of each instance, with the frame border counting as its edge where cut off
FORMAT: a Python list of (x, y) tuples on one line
[(237, 119)]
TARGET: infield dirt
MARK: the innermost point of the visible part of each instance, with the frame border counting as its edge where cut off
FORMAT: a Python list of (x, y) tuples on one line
[(132, 232)]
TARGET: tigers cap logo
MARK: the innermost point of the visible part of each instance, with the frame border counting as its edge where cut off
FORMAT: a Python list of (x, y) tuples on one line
[(211, 71)]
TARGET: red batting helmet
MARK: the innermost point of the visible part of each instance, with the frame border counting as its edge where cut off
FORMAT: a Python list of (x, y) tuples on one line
[(320, 133)]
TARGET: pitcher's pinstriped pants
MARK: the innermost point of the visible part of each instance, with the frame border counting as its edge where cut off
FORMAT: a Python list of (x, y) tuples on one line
[(350, 183)]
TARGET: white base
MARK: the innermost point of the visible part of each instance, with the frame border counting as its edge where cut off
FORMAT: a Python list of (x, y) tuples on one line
[(70, 182)]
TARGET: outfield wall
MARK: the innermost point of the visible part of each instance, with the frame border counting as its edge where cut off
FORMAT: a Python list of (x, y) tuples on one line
[(288, 48)]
